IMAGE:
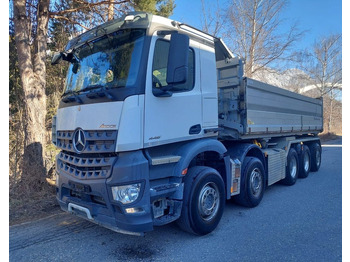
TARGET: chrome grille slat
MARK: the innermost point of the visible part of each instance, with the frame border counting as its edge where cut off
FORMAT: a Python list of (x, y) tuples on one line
[(85, 167), (97, 141), (87, 161)]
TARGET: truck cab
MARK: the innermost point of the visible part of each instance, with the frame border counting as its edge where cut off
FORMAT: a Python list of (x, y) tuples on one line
[(133, 85)]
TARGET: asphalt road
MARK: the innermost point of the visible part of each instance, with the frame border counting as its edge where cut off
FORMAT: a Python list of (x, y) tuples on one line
[(298, 223)]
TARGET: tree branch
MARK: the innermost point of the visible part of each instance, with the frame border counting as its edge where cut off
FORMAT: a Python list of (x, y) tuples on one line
[(61, 17), (86, 6)]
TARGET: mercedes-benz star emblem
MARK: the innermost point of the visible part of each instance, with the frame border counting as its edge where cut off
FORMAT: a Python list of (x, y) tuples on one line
[(79, 140)]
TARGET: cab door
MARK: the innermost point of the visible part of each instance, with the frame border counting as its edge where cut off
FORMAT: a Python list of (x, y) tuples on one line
[(176, 116)]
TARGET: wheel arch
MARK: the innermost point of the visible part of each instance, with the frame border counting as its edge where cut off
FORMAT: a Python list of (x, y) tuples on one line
[(241, 150), (211, 151), (317, 141)]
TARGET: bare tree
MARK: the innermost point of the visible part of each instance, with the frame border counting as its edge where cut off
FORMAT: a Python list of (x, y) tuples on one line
[(324, 65), (213, 18), (254, 30)]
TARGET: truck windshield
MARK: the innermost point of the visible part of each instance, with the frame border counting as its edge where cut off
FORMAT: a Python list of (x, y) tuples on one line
[(111, 61)]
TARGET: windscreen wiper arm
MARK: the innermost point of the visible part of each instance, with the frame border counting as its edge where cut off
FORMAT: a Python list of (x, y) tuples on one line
[(102, 87), (74, 94)]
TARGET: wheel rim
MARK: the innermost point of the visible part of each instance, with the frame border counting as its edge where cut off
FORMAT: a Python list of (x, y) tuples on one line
[(318, 157), (256, 182), (209, 201), (293, 167), (306, 162)]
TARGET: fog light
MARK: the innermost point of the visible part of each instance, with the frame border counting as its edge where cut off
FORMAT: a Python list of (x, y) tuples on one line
[(126, 194), (134, 210)]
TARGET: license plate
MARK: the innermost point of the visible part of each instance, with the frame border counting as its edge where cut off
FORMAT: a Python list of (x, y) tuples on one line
[(80, 187)]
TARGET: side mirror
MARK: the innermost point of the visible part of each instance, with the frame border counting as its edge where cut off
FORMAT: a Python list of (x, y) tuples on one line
[(56, 58), (76, 67), (177, 71)]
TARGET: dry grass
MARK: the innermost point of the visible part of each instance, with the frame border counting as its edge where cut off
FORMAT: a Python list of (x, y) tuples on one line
[(31, 199), (28, 206), (328, 136)]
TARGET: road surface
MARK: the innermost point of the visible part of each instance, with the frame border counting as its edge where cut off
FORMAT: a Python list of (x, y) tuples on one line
[(298, 223)]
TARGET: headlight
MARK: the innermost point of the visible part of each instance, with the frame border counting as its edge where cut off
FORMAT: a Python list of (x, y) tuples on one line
[(126, 194)]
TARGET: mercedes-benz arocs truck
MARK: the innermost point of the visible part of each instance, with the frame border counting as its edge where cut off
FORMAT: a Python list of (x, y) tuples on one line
[(158, 124)]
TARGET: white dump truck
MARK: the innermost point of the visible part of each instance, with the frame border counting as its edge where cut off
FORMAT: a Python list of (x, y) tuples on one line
[(157, 124)]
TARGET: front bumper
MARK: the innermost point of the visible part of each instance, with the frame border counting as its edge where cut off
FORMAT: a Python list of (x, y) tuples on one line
[(92, 198)]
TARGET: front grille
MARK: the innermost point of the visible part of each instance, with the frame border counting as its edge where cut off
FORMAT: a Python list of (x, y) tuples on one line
[(97, 141), (82, 167)]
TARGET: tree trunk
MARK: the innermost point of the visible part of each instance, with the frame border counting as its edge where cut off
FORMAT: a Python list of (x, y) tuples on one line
[(32, 72), (251, 58), (330, 119), (110, 10)]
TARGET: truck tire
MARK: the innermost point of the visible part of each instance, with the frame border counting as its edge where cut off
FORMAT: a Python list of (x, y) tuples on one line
[(316, 156), (252, 183), (203, 200), (292, 168), (305, 162)]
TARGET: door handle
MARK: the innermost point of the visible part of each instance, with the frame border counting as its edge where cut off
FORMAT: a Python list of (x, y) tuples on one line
[(196, 129)]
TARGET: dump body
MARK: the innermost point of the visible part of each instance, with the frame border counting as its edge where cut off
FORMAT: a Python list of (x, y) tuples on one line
[(252, 109), (272, 110)]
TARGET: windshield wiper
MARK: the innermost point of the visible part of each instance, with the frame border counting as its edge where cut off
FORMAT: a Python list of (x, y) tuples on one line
[(102, 87), (74, 97), (90, 87)]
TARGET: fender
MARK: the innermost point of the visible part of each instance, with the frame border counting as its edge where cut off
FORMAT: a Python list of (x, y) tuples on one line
[(241, 150), (192, 149)]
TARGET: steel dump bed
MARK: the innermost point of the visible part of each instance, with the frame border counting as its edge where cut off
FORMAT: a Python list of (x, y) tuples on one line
[(251, 109)]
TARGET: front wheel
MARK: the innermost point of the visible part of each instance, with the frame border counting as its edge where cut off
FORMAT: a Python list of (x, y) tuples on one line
[(203, 200)]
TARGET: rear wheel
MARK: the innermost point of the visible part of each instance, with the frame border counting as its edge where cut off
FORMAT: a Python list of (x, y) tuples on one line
[(292, 168), (316, 153), (204, 200), (252, 183), (305, 162)]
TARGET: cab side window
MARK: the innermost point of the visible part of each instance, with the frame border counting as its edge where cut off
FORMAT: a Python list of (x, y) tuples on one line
[(159, 70)]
